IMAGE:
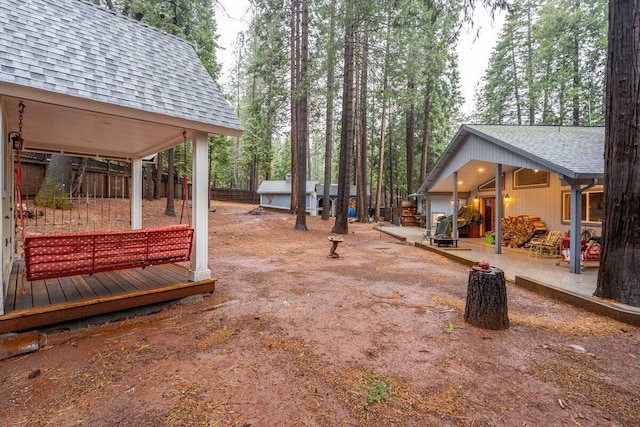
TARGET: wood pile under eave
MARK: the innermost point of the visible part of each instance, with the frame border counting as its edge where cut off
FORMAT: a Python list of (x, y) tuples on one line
[(518, 230)]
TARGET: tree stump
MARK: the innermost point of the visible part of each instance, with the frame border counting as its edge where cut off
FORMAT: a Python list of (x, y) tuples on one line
[(487, 299)]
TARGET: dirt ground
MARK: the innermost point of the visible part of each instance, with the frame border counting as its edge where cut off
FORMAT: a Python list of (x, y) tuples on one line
[(291, 337)]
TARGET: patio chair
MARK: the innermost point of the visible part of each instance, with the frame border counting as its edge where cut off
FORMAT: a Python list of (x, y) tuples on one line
[(547, 245)]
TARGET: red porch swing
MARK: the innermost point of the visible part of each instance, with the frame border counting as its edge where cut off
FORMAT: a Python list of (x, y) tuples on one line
[(69, 254)]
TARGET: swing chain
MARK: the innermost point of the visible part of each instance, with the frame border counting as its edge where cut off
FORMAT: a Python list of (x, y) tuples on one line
[(18, 179), (20, 115)]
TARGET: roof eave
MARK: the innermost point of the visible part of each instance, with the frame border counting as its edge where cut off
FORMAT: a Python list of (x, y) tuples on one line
[(64, 100), (444, 157)]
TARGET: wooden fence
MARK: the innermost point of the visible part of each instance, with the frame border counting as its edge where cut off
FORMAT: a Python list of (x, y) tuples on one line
[(113, 180), (232, 195), (100, 180)]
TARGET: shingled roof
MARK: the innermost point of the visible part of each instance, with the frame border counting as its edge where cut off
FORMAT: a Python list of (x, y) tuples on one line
[(575, 153), (563, 149), (282, 187), (75, 48)]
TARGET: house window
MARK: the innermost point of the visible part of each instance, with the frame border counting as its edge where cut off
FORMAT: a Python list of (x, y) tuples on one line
[(527, 178), (592, 206)]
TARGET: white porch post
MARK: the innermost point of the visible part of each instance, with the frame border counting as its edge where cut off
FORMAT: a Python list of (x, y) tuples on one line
[(499, 209), (6, 200), (428, 216), (200, 210), (575, 244), (136, 194), (454, 221)]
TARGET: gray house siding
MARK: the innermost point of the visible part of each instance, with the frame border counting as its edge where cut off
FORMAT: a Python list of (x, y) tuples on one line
[(476, 148), (276, 201), (544, 202)]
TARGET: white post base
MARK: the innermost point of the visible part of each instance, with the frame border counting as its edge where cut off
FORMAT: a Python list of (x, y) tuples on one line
[(196, 276)]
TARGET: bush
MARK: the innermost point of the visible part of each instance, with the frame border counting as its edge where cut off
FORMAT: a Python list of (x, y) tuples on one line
[(48, 198)]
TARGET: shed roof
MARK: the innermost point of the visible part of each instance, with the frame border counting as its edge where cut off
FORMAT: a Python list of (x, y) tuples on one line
[(282, 187), (73, 54), (572, 152)]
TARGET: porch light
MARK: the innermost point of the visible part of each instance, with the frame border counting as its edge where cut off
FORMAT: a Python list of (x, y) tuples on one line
[(476, 200), (14, 139), (506, 198)]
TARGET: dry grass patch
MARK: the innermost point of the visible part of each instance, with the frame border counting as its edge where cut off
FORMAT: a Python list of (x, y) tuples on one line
[(576, 386), (215, 337), (378, 398), (585, 325), (191, 409)]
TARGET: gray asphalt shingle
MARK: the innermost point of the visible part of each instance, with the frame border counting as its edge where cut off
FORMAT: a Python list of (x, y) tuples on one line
[(76, 48), (282, 187), (578, 149)]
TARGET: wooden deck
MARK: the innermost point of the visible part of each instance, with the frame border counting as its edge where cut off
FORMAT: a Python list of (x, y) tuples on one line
[(40, 303)]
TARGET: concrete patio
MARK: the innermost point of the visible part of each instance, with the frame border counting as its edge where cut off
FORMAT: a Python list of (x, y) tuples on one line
[(542, 275)]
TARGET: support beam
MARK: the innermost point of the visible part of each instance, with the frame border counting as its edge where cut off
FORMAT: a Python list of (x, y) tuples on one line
[(136, 194), (200, 209), (499, 209), (428, 212), (575, 245), (6, 201), (454, 221)]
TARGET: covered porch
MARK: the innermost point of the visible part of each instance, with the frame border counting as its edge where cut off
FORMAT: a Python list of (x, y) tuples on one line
[(552, 173), (142, 94)]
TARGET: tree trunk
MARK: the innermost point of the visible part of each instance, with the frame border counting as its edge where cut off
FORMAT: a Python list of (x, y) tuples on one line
[(148, 182), (361, 151), (619, 273), (575, 65), (515, 85), (157, 193), (293, 95), (532, 95), (426, 124), (383, 123), (55, 187), (331, 53), (303, 140), (486, 305), (76, 185), (392, 194), (409, 138), (341, 225), (170, 209), (253, 178)]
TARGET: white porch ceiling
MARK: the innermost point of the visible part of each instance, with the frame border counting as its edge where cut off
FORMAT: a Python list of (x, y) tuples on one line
[(470, 176), (60, 129)]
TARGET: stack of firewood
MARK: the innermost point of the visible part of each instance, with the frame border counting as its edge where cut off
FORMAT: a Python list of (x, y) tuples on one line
[(518, 230)]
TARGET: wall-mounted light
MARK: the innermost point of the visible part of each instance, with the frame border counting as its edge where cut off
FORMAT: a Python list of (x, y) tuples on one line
[(476, 200), (506, 198)]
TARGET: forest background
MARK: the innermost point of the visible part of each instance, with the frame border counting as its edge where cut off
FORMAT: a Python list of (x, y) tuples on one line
[(369, 93), (403, 89)]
